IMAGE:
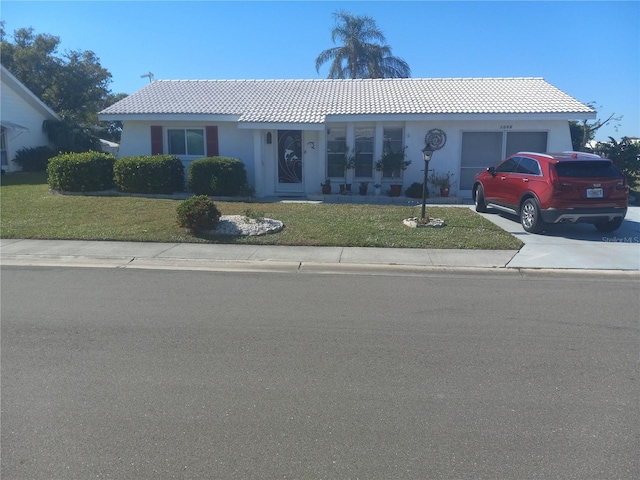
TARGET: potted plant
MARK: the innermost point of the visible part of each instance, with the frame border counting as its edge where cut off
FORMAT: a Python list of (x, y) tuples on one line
[(348, 163), (442, 181), (377, 189), (393, 163), (364, 186), (326, 187)]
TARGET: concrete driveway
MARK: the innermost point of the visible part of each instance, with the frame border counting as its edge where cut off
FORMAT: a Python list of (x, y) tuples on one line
[(575, 246)]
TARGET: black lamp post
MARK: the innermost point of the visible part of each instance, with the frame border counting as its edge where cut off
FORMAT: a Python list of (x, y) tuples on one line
[(427, 153)]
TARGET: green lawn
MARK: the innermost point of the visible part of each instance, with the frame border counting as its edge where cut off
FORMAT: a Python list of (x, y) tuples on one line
[(29, 210)]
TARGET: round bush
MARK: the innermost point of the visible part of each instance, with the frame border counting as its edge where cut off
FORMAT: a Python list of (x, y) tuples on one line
[(81, 172), (198, 213), (221, 176), (34, 159), (149, 174), (414, 191)]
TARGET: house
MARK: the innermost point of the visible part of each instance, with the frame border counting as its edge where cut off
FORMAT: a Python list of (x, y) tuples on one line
[(21, 118), (292, 134)]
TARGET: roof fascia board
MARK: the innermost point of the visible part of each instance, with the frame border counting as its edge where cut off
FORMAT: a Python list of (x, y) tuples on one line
[(281, 126), (27, 95), (166, 117), (408, 117)]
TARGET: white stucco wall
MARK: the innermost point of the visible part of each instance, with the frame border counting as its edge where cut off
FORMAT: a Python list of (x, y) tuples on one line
[(16, 110), (232, 141), (250, 146)]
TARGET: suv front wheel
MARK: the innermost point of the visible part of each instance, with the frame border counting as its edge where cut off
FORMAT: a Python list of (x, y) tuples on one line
[(530, 216), (481, 205)]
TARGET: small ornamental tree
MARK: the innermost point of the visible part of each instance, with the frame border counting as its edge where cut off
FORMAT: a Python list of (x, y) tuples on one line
[(625, 154), (198, 213)]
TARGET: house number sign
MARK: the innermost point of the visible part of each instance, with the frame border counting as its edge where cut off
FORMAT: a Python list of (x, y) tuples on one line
[(436, 138)]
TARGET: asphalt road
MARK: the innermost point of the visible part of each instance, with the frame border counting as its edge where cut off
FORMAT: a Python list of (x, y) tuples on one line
[(135, 374)]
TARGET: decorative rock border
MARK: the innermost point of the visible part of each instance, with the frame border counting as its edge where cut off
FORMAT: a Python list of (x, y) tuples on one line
[(239, 225), (415, 222)]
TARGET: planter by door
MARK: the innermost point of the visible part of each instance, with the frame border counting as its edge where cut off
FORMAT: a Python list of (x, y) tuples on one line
[(444, 192), (396, 190), (326, 189)]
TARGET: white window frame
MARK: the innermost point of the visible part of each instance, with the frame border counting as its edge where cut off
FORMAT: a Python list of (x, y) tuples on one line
[(186, 141)]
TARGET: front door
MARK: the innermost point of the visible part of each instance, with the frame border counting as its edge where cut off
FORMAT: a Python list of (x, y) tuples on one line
[(289, 163)]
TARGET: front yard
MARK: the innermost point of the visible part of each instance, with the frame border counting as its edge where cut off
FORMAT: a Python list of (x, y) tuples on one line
[(29, 210)]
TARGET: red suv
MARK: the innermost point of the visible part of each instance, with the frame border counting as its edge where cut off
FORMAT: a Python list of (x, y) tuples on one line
[(568, 187)]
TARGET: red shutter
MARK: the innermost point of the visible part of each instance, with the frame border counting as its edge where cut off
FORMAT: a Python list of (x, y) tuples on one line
[(212, 141), (156, 140)]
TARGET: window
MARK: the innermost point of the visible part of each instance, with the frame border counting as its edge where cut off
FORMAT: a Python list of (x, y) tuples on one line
[(595, 169), (392, 142), (336, 148), (528, 166), (186, 141), (364, 152), (508, 166)]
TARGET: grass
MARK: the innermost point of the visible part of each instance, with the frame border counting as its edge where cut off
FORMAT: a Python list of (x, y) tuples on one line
[(29, 210)]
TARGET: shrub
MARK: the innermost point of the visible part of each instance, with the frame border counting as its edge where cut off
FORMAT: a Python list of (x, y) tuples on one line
[(149, 174), (625, 155), (414, 191), (81, 172), (198, 213), (34, 159), (222, 176)]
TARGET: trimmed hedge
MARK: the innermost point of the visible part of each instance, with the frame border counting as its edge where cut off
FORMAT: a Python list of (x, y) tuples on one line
[(149, 174), (217, 176), (197, 213), (34, 159), (81, 172)]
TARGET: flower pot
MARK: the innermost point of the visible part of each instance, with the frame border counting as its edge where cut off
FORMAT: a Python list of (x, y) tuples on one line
[(396, 190), (326, 189), (363, 190), (444, 192)]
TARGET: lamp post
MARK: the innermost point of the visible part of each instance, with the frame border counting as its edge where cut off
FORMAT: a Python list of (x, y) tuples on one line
[(427, 153)]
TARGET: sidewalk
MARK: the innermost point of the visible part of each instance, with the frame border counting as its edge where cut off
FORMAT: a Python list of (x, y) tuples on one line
[(234, 257)]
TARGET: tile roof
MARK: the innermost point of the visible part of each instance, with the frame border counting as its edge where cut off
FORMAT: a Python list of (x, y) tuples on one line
[(310, 101)]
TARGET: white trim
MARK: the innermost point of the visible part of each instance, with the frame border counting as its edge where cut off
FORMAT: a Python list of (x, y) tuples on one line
[(168, 117)]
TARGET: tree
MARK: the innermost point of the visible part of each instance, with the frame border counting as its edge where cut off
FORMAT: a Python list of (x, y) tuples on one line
[(625, 155), (73, 84), (583, 133), (363, 54)]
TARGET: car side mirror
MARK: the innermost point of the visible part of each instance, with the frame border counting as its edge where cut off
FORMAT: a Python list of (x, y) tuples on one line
[(492, 170)]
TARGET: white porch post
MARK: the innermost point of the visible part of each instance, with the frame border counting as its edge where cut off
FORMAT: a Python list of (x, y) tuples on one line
[(258, 162)]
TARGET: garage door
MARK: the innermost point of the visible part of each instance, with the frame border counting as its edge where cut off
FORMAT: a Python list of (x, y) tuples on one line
[(483, 149)]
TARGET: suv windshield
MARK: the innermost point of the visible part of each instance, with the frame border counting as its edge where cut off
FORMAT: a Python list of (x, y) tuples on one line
[(595, 169)]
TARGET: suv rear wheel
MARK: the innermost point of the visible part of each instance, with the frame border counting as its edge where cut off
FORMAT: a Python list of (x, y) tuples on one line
[(609, 226), (530, 216)]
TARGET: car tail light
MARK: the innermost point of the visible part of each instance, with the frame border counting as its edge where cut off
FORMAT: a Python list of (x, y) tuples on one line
[(622, 185), (558, 187)]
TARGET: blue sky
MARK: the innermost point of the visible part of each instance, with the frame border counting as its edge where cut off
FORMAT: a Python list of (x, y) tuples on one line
[(589, 49)]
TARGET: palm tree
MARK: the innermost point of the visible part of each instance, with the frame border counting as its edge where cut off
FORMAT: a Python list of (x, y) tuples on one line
[(360, 56)]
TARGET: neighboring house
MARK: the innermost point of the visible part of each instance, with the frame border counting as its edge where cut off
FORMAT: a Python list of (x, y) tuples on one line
[(21, 118), (107, 146), (291, 133)]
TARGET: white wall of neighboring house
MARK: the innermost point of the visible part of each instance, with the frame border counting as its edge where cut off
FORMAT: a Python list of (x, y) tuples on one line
[(21, 115)]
